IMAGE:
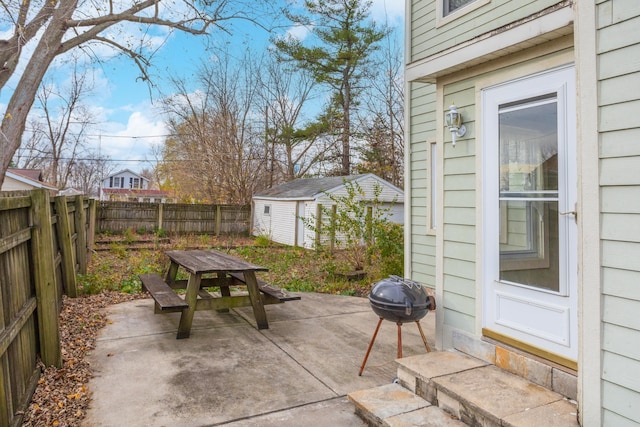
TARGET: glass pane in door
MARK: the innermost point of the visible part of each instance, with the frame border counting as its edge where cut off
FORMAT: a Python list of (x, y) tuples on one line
[(528, 145)]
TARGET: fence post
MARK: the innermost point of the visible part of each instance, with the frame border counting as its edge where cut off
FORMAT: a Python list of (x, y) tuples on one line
[(160, 215), (81, 233), (218, 219), (91, 236), (66, 246), (45, 279)]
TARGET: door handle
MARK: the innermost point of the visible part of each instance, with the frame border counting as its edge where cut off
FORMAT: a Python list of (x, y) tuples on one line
[(574, 213)]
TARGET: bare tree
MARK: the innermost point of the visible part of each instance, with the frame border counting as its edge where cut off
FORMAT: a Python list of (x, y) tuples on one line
[(292, 147), (57, 27), (59, 123), (87, 173), (382, 116), (216, 152)]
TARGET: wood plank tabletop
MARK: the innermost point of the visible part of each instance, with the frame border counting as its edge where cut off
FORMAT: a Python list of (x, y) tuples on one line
[(211, 261)]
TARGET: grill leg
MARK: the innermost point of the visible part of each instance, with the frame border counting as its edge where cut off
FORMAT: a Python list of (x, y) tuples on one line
[(366, 356), (424, 338), (399, 340)]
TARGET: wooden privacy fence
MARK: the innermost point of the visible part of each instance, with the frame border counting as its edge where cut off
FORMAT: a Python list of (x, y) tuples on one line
[(43, 244), (173, 218)]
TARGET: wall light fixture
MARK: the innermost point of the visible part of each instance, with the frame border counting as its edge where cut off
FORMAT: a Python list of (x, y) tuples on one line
[(454, 123)]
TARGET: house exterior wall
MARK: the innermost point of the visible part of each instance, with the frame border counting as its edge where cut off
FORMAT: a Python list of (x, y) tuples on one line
[(126, 176), (279, 224), (24, 184), (11, 184), (618, 75), (605, 47)]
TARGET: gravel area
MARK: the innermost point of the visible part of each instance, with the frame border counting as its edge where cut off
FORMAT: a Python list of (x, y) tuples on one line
[(62, 395)]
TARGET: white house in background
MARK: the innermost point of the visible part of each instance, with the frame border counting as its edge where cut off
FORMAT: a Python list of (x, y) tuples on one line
[(128, 186), (278, 211), (126, 179), (24, 180)]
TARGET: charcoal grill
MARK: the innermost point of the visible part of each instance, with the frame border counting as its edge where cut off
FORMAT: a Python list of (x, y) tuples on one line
[(399, 300)]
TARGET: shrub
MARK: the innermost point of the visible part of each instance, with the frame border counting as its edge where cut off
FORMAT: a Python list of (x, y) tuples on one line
[(360, 228), (262, 240), (389, 249), (128, 236)]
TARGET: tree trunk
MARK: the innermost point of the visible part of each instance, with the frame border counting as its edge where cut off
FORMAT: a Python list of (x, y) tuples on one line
[(14, 121), (346, 124)]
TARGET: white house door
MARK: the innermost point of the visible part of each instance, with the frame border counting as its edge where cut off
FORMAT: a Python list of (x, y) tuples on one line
[(529, 219)]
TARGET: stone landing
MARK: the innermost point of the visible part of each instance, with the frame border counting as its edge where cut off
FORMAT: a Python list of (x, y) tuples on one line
[(452, 389)]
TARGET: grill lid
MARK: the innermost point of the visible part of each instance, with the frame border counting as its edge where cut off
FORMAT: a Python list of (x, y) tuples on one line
[(399, 299)]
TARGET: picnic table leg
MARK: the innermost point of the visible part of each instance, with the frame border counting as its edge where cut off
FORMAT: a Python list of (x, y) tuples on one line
[(191, 297), (171, 273), (225, 292), (256, 301)]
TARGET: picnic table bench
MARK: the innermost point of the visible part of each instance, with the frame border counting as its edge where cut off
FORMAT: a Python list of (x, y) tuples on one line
[(271, 294), (165, 297), (227, 272)]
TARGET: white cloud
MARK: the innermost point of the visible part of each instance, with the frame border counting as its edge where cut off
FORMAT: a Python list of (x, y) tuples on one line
[(135, 140), (299, 31), (391, 11)]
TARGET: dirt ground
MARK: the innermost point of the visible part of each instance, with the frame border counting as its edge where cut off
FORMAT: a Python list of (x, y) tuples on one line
[(62, 396)]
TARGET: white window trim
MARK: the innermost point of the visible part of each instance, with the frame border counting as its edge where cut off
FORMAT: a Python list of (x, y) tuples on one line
[(467, 8)]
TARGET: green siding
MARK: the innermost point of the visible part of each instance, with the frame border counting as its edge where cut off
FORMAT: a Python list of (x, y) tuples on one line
[(421, 126), (618, 43), (621, 227), (621, 405), (617, 340), (460, 199), (621, 283), (461, 286), (610, 145), (459, 250), (458, 320), (427, 40)]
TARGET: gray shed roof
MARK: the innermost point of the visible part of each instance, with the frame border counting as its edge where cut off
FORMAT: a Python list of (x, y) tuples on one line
[(306, 187)]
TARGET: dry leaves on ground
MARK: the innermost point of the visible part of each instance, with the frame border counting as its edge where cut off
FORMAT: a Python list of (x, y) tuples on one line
[(62, 397)]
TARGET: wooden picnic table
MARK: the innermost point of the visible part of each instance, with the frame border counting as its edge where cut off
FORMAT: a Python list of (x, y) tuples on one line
[(211, 269), (222, 271), (200, 262)]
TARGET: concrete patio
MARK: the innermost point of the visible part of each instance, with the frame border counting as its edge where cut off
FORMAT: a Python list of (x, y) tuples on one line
[(297, 372)]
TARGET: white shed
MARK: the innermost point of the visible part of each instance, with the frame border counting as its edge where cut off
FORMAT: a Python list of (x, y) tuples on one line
[(278, 211)]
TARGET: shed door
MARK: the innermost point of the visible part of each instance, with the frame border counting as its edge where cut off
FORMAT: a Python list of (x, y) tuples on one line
[(529, 230)]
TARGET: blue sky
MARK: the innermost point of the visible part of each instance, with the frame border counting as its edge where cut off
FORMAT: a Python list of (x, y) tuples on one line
[(128, 124)]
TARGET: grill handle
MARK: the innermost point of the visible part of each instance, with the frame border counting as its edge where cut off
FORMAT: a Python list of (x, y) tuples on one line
[(408, 308)]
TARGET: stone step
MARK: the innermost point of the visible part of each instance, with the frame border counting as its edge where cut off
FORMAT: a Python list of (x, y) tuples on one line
[(480, 394), (392, 405)]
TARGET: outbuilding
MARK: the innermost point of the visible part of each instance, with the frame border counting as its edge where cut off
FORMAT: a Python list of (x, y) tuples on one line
[(278, 212)]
